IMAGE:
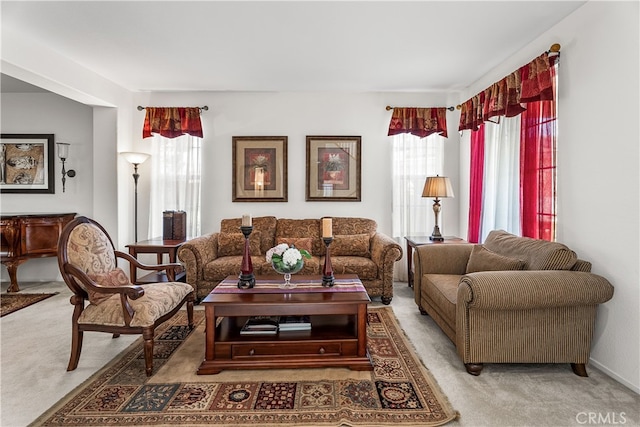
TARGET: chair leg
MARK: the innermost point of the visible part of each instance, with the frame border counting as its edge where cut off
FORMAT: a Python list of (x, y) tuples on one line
[(147, 335), (190, 313), (76, 333), (76, 348)]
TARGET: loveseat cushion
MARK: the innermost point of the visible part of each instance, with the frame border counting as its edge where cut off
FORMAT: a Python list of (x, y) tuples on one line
[(442, 290), (537, 254), (482, 259)]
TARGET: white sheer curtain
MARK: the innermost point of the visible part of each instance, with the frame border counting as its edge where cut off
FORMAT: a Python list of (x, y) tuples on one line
[(175, 181), (413, 160), (501, 182)]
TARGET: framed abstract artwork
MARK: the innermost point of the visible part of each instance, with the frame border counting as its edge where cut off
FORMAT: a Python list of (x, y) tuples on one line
[(27, 163), (259, 168), (333, 168)]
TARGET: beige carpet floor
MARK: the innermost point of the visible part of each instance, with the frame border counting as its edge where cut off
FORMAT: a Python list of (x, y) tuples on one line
[(35, 345)]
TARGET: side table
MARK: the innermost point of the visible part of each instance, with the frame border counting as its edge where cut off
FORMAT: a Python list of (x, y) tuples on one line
[(415, 241), (157, 246)]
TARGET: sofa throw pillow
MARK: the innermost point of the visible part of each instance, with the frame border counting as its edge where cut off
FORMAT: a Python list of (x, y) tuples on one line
[(350, 245), (112, 279), (298, 242), (230, 244), (482, 259)]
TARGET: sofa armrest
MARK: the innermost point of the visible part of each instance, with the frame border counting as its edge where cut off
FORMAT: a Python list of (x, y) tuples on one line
[(385, 251), (438, 258), (520, 290), (196, 253)]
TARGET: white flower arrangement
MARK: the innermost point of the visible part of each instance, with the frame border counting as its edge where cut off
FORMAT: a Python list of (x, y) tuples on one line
[(286, 258)]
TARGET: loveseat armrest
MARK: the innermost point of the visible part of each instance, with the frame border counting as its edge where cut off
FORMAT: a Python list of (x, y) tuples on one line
[(438, 258), (538, 289), (195, 254)]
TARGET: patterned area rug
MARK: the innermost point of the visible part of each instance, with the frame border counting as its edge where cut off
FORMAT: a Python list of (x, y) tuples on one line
[(399, 390), (10, 303)]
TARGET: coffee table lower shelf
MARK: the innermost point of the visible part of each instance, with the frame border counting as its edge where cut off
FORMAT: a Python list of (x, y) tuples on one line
[(332, 342)]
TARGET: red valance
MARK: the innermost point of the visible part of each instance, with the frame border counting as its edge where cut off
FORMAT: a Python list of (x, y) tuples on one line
[(420, 122), (172, 122), (531, 82)]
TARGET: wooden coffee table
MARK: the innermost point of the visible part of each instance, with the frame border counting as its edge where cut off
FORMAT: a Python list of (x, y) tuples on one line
[(338, 336)]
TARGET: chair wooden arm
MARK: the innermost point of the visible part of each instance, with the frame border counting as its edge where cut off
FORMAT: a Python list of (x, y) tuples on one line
[(131, 291)]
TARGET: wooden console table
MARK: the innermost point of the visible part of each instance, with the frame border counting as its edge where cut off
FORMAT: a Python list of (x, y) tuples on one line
[(26, 236), (338, 335)]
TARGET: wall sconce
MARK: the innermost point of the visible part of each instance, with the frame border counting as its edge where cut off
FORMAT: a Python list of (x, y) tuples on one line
[(63, 154), (437, 186), (135, 159)]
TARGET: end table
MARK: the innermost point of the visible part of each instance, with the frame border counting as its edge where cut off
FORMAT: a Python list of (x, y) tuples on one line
[(415, 241), (157, 246)]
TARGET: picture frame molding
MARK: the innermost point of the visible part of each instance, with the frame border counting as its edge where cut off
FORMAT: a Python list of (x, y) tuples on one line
[(48, 186), (351, 178), (276, 145)]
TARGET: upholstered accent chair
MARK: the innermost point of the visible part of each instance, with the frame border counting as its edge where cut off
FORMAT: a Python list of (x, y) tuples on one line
[(88, 263)]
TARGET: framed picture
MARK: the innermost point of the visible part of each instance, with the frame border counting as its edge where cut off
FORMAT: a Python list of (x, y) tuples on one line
[(259, 169), (26, 163), (333, 168)]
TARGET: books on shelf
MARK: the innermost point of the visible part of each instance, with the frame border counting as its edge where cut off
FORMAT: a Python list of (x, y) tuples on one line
[(260, 325), (270, 325), (294, 323)]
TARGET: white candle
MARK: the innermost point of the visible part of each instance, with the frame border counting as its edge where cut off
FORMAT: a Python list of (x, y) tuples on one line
[(327, 227), (246, 220)]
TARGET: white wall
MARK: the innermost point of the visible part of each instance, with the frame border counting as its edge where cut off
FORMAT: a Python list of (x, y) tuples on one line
[(296, 115), (598, 159), (70, 122)]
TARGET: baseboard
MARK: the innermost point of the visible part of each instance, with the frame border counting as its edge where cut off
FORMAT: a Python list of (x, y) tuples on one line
[(615, 376)]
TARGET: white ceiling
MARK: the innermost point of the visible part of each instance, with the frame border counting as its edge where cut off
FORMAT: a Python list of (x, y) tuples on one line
[(285, 46)]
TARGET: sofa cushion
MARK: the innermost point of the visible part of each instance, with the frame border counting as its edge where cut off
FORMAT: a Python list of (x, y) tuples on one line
[(482, 259), (296, 228), (112, 279), (266, 225), (365, 268), (233, 243), (299, 242), (351, 245), (537, 254), (220, 268), (353, 225)]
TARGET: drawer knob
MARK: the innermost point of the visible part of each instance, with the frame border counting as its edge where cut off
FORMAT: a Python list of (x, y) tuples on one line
[(252, 352), (321, 350)]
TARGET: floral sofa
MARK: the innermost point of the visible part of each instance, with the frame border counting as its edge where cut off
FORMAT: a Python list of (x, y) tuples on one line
[(357, 248), (511, 300)]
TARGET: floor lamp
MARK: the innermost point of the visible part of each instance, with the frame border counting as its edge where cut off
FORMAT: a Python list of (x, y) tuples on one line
[(437, 186), (135, 159)]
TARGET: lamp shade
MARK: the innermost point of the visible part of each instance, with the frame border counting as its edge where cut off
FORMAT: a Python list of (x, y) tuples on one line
[(437, 186), (135, 158)]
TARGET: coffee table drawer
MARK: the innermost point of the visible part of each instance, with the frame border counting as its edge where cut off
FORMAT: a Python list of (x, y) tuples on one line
[(285, 350)]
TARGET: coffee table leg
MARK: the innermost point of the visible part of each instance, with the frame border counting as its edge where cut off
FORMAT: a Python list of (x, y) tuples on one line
[(210, 332), (362, 330)]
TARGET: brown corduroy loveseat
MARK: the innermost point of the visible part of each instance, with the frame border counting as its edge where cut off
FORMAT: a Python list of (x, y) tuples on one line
[(357, 248), (511, 300)]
